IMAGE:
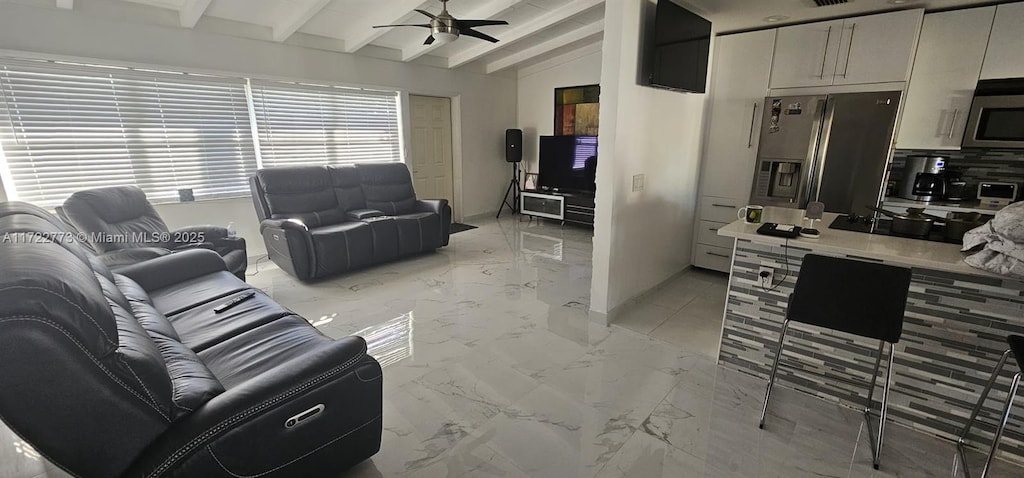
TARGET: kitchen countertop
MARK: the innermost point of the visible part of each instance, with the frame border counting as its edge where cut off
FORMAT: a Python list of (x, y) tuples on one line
[(950, 206), (897, 250)]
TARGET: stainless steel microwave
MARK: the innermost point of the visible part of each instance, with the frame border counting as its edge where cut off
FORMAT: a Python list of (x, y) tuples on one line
[(997, 115)]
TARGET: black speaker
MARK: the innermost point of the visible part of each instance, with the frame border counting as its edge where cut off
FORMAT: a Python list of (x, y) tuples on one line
[(513, 145)]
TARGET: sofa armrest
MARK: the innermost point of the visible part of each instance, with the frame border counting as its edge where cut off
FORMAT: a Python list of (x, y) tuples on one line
[(436, 206), (248, 425), (174, 268), (360, 214), (442, 209), (286, 224), (126, 257)]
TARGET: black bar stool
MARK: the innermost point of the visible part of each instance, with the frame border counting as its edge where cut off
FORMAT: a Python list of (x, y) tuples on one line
[(822, 297), (1017, 349)]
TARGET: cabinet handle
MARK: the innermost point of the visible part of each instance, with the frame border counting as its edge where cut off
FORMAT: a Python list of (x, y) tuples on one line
[(824, 56), (717, 255), (713, 229), (750, 137), (723, 205), (849, 51), (952, 124)]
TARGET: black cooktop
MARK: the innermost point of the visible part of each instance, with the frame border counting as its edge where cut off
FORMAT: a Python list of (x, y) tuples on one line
[(869, 225)]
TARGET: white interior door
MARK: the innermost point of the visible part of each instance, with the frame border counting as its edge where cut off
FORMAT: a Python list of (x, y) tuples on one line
[(431, 153)]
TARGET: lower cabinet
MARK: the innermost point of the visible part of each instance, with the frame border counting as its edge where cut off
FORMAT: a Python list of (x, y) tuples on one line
[(578, 208), (713, 257)]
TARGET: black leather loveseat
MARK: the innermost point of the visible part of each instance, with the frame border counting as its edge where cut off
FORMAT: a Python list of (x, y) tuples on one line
[(321, 220), (135, 375), (123, 227)]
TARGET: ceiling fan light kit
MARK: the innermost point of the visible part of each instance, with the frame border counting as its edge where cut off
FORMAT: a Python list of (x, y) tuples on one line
[(445, 28)]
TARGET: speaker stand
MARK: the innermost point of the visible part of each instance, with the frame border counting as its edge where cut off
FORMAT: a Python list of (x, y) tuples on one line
[(514, 188)]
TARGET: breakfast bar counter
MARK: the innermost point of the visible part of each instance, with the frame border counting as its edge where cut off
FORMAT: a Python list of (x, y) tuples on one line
[(956, 322)]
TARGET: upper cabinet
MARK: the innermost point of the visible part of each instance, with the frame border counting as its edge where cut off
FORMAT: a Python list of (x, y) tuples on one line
[(869, 49), (805, 55), (949, 60), (878, 48), (739, 84), (1005, 57)]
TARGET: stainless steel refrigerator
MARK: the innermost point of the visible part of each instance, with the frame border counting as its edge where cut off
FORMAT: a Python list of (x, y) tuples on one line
[(829, 148)]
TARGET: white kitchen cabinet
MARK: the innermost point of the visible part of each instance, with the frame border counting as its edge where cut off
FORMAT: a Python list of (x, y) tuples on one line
[(739, 82), (949, 60), (878, 48), (1005, 56), (859, 50), (805, 55)]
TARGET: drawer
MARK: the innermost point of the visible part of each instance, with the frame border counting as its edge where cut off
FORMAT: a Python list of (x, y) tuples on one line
[(708, 234), (718, 209), (713, 257)]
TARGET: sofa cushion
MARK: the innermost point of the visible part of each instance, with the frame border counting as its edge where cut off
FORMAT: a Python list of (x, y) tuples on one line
[(303, 193), (252, 353), (418, 232), (201, 328), (344, 246), (387, 187), (348, 188), (182, 296)]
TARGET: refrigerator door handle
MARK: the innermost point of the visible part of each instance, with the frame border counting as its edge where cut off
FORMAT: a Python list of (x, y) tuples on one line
[(818, 152), (753, 118)]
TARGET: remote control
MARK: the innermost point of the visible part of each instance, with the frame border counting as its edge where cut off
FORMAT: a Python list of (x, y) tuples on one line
[(233, 302)]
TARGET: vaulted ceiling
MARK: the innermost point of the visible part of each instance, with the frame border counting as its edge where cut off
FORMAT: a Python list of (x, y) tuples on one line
[(537, 29)]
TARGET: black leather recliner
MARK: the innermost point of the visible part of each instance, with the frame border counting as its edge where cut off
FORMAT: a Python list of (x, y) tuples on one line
[(321, 220), (120, 219), (135, 375)]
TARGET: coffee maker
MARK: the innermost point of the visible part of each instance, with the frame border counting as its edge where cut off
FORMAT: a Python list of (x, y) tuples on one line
[(923, 179)]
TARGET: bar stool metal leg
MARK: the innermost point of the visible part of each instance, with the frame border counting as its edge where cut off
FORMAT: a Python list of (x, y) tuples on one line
[(962, 441), (885, 408), (775, 369)]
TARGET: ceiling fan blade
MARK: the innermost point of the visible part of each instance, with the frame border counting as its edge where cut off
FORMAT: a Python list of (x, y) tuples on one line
[(429, 40), (424, 25), (431, 15), (463, 24), (475, 34)]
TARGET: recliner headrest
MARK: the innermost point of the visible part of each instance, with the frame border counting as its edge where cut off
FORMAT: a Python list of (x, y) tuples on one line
[(112, 204), (297, 179)]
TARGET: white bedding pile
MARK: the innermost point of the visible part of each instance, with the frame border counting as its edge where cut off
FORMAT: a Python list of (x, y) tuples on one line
[(1003, 238)]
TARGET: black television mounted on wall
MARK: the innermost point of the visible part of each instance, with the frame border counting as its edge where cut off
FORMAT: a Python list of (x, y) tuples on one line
[(676, 51)]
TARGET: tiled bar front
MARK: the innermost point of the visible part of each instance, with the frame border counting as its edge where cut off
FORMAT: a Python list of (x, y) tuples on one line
[(953, 333)]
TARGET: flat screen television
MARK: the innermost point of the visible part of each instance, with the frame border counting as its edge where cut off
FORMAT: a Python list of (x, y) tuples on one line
[(676, 52), (568, 163)]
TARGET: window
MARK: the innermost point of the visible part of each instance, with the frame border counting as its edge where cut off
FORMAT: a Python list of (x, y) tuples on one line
[(312, 125), (67, 127)]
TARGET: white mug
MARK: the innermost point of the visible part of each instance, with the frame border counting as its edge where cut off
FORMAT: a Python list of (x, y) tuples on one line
[(750, 214)]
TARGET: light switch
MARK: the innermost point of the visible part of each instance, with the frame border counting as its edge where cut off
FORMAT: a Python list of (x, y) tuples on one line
[(638, 182)]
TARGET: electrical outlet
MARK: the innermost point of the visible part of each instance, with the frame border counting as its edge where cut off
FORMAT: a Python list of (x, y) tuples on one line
[(766, 275)]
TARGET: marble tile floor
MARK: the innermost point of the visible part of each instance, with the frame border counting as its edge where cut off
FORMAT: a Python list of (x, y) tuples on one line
[(686, 311), (493, 368)]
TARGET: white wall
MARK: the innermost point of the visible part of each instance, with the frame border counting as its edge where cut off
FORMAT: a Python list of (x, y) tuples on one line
[(536, 112), (641, 238), (488, 102)]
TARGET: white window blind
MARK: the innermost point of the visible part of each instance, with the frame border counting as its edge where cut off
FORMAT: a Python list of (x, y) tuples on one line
[(311, 125), (67, 127)]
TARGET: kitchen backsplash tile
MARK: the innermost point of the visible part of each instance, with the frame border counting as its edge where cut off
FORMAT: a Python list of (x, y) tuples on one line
[(975, 165)]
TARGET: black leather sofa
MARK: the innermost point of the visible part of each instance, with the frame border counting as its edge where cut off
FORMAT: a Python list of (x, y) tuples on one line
[(321, 220), (123, 227), (135, 375)]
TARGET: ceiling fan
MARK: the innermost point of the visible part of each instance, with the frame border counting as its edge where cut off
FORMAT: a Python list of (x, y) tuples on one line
[(445, 28)]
